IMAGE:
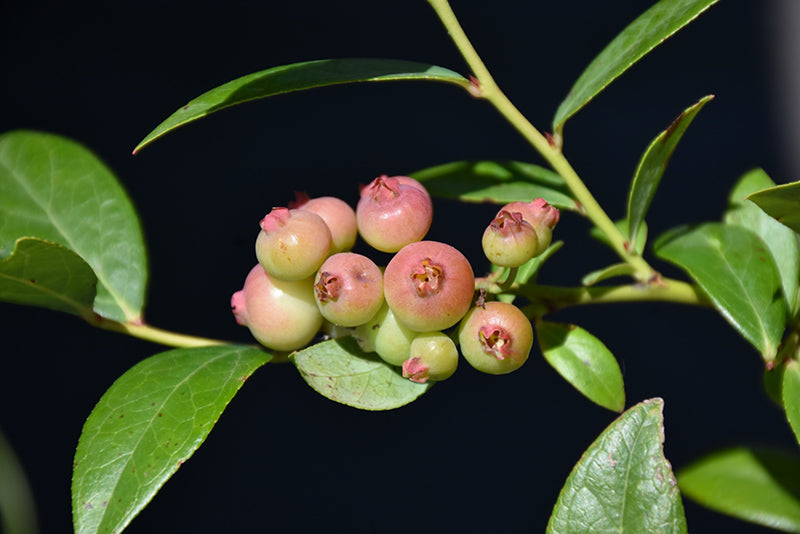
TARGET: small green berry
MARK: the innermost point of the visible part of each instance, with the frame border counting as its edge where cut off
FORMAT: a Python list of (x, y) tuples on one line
[(509, 241), (292, 244), (434, 356)]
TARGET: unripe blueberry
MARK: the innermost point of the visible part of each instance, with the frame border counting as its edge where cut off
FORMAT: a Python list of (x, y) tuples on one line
[(540, 215), (338, 215), (393, 339), (385, 336), (428, 286), (434, 356), (392, 214), (509, 241), (281, 315), (292, 244), (496, 338), (348, 289)]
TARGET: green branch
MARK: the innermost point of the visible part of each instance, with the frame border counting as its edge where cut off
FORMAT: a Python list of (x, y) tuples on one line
[(486, 88), (548, 299), (156, 335)]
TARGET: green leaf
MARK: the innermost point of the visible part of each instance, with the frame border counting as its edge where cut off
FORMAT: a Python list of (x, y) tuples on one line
[(298, 77), (651, 29), (737, 272), (780, 240), (612, 271), (499, 182), (757, 485), (339, 370), (652, 164), (40, 273), (782, 203), (584, 362), (622, 225), (791, 396), (55, 189), (622, 483), (147, 424)]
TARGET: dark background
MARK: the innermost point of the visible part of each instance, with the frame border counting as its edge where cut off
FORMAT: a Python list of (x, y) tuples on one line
[(478, 453)]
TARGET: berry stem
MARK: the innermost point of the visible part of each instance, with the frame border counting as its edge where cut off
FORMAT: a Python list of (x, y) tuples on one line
[(546, 299), (156, 335), (485, 87), (511, 274)]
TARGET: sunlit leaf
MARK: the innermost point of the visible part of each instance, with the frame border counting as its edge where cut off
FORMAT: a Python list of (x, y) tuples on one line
[(757, 485), (40, 273), (781, 202), (652, 28), (499, 182), (622, 483), (584, 362), (652, 164), (147, 425), (298, 77), (55, 189), (737, 272), (780, 240), (340, 371)]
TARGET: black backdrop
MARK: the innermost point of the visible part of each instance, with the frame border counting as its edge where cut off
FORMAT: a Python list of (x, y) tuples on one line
[(478, 453)]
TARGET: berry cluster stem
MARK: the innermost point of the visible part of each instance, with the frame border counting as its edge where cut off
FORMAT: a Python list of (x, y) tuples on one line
[(156, 335), (486, 88)]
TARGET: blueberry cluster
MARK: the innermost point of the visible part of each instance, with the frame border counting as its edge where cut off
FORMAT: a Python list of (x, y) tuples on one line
[(306, 277)]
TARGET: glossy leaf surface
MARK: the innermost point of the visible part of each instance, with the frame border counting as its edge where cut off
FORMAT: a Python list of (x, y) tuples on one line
[(780, 240), (652, 28), (781, 202), (622, 483), (40, 273), (734, 268), (791, 396), (652, 165), (57, 190), (147, 424), (499, 182), (340, 371), (584, 362), (757, 485), (299, 77)]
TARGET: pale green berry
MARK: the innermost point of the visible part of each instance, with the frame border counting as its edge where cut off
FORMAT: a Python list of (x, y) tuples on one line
[(540, 215), (292, 244), (509, 241), (434, 356)]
